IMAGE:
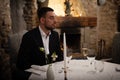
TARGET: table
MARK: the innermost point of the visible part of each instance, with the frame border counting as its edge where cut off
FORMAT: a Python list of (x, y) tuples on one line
[(78, 70)]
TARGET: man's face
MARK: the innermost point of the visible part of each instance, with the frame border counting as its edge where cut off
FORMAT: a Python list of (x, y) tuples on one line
[(50, 20)]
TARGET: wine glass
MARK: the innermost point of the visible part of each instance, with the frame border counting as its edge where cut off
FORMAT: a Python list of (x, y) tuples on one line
[(91, 60), (85, 50), (91, 56), (99, 66)]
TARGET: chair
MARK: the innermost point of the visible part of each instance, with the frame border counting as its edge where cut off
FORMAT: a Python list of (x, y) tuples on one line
[(116, 48)]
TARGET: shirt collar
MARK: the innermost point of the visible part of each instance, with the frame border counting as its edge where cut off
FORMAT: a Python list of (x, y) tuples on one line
[(43, 33)]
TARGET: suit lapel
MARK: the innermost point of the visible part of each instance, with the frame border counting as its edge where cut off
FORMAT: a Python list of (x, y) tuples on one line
[(38, 38), (51, 42)]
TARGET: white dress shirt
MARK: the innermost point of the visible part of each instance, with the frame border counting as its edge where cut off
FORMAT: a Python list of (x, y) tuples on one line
[(45, 39)]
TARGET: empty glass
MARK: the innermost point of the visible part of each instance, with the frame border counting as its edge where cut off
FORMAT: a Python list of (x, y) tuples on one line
[(85, 49), (91, 59), (99, 66), (91, 55)]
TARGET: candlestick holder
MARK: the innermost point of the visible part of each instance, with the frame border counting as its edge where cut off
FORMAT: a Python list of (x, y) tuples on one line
[(65, 77)]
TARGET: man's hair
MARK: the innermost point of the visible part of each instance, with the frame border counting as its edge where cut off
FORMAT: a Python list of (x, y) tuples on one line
[(42, 11)]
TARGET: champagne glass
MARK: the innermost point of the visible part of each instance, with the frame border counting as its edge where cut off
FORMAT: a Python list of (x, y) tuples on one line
[(91, 56)]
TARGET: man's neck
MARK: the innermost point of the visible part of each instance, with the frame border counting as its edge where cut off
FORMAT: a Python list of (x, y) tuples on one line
[(45, 30)]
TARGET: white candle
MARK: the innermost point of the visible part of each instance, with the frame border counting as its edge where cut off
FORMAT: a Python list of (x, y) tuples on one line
[(65, 50), (65, 54)]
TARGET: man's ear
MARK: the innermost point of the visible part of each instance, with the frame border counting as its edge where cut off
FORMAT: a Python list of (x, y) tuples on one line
[(42, 20)]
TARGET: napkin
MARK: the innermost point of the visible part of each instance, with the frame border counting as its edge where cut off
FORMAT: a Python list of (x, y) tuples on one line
[(37, 69), (41, 68)]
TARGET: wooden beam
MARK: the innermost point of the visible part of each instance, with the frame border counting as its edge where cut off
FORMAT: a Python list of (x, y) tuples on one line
[(70, 21)]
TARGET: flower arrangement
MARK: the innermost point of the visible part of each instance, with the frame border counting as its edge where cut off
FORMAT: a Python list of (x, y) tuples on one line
[(54, 55)]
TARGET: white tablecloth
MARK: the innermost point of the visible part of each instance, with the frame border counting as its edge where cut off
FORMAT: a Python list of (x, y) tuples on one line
[(77, 70)]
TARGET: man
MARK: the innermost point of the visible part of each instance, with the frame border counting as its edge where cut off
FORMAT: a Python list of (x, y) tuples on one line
[(39, 44)]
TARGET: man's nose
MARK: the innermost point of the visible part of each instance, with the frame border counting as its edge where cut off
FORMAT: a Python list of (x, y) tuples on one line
[(55, 21)]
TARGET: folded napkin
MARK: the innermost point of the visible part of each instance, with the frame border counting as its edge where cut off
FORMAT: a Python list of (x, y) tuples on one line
[(41, 68), (37, 69)]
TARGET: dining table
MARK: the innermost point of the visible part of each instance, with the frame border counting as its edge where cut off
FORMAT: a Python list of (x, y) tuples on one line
[(77, 69)]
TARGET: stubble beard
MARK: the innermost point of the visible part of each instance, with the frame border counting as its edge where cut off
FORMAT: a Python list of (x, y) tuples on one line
[(49, 28)]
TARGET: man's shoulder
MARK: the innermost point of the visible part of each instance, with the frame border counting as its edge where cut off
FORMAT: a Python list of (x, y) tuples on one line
[(31, 32)]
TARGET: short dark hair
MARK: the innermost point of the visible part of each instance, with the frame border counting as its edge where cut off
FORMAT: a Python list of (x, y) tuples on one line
[(42, 11)]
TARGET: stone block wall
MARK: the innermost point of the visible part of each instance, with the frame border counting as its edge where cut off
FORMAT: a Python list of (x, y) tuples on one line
[(107, 24), (30, 14), (5, 25), (90, 7)]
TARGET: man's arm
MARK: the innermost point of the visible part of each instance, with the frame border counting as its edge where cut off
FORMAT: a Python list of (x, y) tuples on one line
[(23, 59)]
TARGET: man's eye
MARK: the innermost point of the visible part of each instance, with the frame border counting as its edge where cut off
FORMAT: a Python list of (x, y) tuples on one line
[(52, 18)]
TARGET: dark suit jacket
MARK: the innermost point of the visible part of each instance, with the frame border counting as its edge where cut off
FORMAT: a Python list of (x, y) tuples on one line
[(29, 52)]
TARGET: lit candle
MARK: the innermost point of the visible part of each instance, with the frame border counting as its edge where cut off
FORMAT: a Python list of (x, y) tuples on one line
[(65, 50), (65, 53)]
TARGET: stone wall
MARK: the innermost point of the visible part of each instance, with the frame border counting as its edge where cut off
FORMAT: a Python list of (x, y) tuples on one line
[(89, 33), (5, 25), (30, 15), (90, 7), (17, 19), (117, 2), (107, 24)]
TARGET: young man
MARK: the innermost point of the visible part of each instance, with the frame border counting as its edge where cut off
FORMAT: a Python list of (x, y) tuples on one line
[(39, 44)]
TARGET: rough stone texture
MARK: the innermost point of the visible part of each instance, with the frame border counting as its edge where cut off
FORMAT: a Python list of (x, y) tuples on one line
[(30, 14), (5, 25), (18, 22), (5, 22), (5, 68), (90, 7), (117, 2), (107, 24)]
